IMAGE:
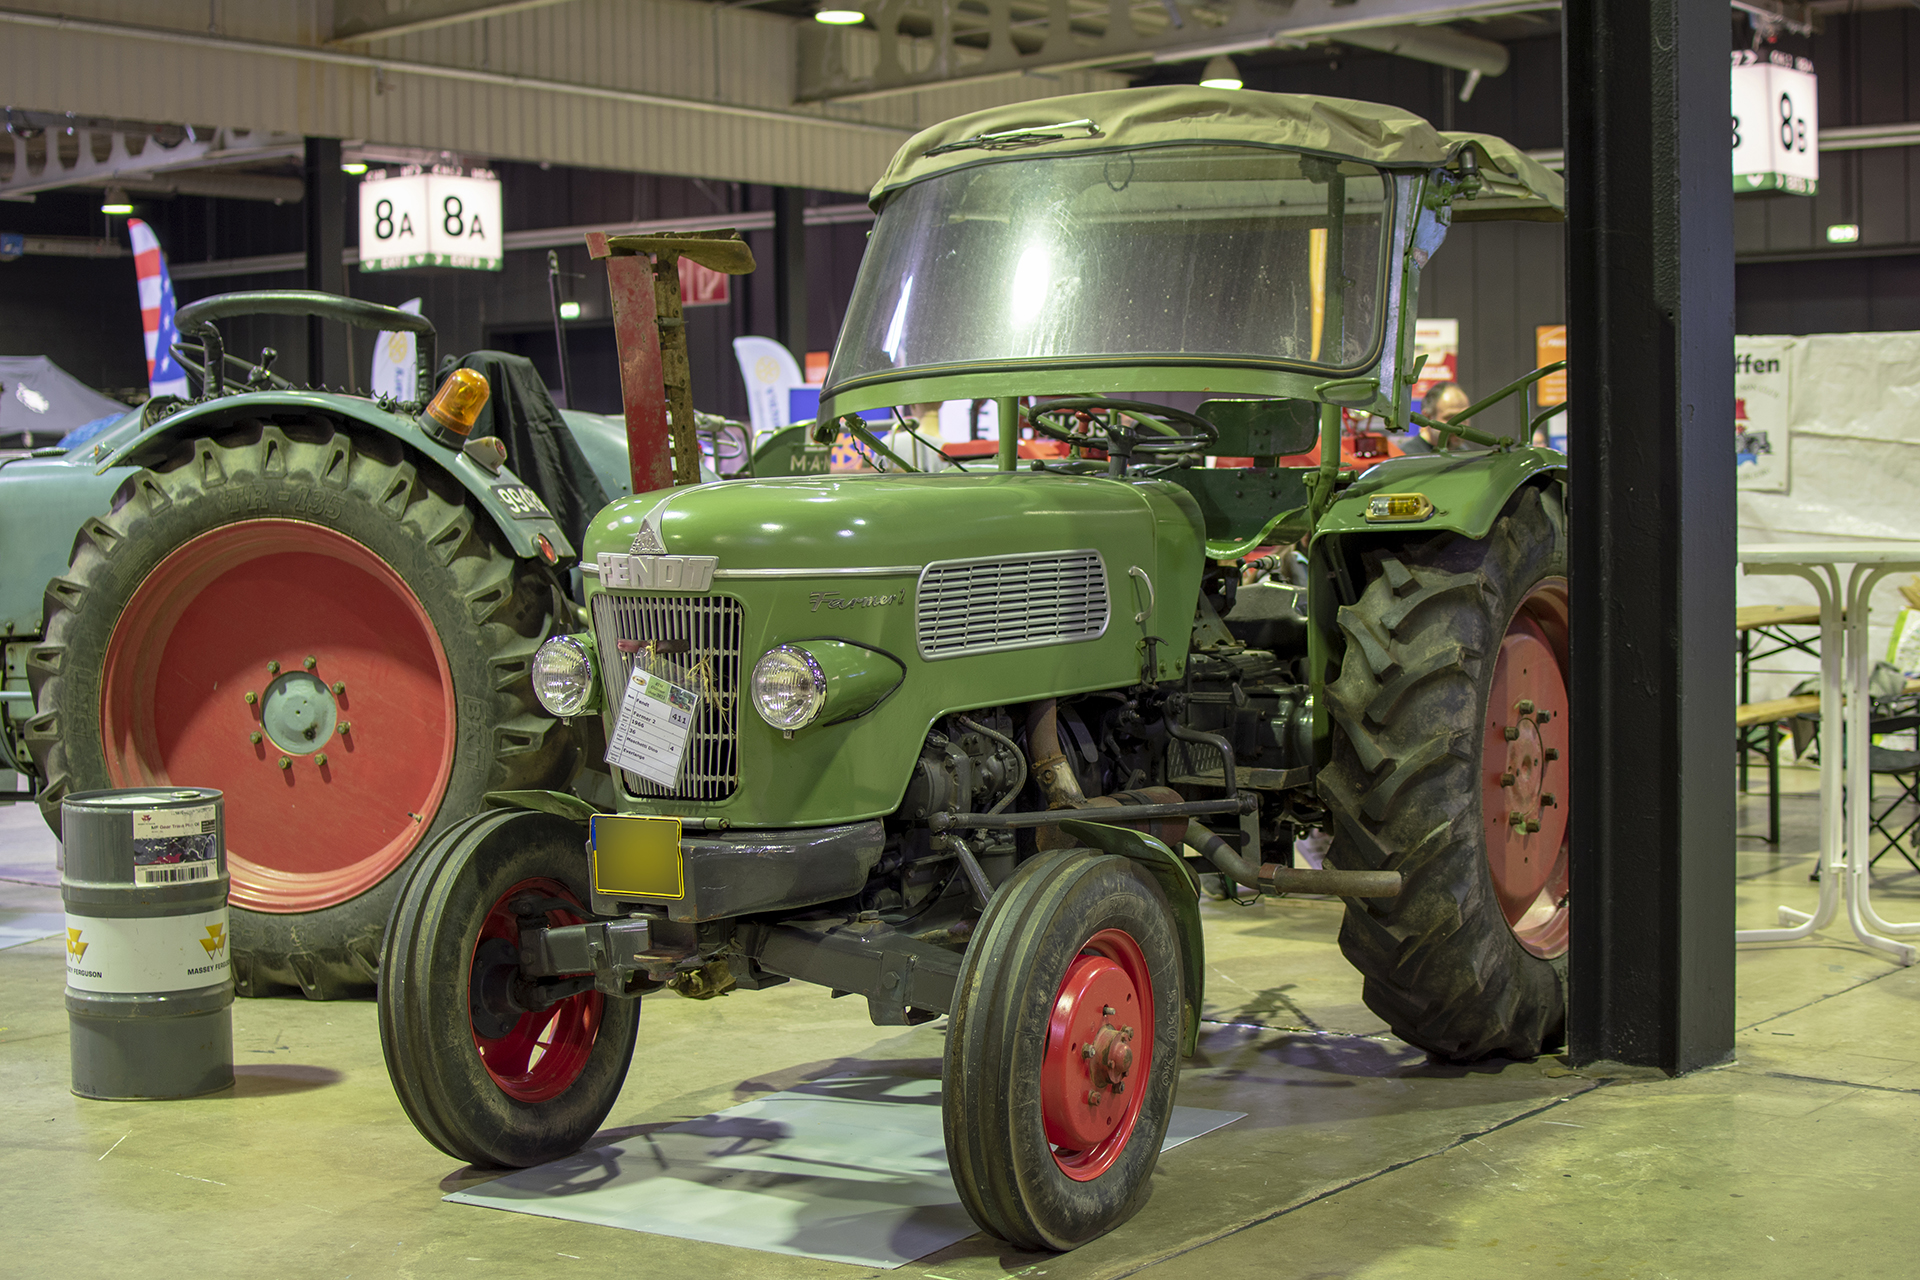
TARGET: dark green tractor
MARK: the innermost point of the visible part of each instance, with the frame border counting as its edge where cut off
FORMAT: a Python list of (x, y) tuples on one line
[(961, 742)]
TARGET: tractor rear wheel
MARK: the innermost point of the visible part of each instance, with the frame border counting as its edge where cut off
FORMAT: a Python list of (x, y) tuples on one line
[(319, 625), (1063, 1050), (484, 1074), (1450, 766)]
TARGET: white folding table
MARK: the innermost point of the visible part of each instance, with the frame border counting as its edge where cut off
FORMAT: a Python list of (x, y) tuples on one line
[(1844, 671)]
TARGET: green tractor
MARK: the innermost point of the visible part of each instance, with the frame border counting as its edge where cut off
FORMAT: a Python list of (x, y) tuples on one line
[(962, 742)]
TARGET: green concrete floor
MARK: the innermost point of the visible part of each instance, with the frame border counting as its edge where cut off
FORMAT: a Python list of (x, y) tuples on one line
[(1358, 1158)]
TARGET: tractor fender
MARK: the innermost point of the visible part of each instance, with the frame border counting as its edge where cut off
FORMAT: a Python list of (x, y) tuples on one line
[(521, 528), (1468, 491)]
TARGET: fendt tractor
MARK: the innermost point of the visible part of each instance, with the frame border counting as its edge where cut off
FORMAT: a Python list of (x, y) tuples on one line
[(962, 742)]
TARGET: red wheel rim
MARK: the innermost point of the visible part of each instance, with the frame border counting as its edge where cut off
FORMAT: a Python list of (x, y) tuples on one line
[(197, 637), (1099, 1055), (1524, 762), (544, 1051)]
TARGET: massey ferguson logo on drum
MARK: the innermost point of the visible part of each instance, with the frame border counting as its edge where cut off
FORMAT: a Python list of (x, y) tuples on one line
[(834, 600)]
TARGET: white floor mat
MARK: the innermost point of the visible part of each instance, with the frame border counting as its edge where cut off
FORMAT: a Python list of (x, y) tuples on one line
[(851, 1169)]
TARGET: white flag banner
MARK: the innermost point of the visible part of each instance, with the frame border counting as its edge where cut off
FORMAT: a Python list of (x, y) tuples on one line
[(393, 357)]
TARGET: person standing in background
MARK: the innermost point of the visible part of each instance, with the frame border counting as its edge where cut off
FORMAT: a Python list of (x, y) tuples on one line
[(1442, 401)]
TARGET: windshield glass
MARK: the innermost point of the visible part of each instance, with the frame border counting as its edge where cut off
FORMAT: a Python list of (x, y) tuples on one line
[(1236, 253)]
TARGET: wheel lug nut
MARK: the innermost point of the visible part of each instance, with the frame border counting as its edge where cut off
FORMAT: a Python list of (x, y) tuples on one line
[(1513, 733), (1532, 826), (311, 662), (285, 763), (1107, 1010), (254, 737), (1506, 779), (339, 687), (1543, 717), (252, 697), (320, 758), (273, 668), (1093, 1096), (1086, 1051), (1551, 753), (1525, 707), (1547, 799), (1516, 819), (346, 726)]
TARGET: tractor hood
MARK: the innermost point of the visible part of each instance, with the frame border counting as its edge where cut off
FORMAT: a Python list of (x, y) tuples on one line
[(835, 524)]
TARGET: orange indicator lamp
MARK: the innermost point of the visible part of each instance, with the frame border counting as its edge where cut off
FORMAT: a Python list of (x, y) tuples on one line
[(457, 405)]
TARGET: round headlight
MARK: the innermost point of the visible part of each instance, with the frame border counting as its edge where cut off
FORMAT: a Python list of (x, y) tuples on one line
[(563, 676), (788, 687)]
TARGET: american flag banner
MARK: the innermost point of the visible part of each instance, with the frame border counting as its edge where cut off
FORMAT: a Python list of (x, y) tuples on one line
[(164, 375)]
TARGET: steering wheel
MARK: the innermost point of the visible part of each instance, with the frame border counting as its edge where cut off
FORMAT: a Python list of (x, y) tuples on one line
[(1082, 420)]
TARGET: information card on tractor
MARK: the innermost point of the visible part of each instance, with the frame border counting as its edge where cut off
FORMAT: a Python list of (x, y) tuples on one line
[(656, 720)]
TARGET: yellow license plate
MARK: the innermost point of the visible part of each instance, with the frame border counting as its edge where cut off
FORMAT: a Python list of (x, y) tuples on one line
[(636, 857)]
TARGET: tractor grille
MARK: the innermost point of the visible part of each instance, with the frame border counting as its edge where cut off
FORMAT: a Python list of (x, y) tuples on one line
[(695, 641), (1010, 602)]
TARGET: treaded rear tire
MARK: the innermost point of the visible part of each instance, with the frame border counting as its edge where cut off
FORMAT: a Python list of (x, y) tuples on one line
[(1441, 965), (489, 611)]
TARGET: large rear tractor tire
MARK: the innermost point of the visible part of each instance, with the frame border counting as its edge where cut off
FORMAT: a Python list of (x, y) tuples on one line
[(1450, 766), (324, 629), (484, 1077), (1063, 1050)]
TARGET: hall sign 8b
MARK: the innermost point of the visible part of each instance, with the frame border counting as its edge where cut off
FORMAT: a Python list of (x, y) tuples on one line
[(1776, 124), (430, 218)]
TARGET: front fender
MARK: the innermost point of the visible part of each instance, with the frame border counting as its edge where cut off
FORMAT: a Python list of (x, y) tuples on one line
[(521, 533)]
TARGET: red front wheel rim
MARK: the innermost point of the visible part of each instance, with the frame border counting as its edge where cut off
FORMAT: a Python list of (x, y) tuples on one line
[(366, 729), (1099, 1055), (1524, 772), (542, 1052)]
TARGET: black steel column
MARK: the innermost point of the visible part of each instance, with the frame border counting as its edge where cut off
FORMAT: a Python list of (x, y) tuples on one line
[(790, 270), (326, 216), (1650, 372)]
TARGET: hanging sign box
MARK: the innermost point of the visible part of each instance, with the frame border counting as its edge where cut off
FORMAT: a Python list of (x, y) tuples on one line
[(437, 218), (1776, 124)]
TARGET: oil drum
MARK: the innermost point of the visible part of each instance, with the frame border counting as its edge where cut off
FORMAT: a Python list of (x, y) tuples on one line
[(143, 878)]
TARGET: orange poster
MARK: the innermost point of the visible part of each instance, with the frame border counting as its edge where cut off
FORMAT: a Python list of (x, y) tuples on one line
[(1549, 345)]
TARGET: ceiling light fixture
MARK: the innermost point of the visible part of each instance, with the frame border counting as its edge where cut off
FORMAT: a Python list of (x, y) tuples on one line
[(569, 311), (838, 15), (354, 167), (1220, 73), (1843, 233), (116, 202)]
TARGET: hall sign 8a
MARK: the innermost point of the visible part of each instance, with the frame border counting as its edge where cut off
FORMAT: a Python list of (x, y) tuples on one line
[(430, 218), (1776, 124)]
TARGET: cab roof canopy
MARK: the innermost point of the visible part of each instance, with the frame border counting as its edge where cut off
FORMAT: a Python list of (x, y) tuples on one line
[(1515, 186)]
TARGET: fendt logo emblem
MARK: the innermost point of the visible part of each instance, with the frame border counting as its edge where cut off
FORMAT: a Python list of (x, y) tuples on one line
[(656, 573), (834, 600)]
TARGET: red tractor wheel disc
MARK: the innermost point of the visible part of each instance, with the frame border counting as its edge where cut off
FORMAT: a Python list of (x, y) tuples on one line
[(536, 1055), (1524, 762), (289, 666), (1099, 1054)]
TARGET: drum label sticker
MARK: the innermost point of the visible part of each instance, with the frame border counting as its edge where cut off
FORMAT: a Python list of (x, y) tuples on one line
[(130, 956), (175, 846)]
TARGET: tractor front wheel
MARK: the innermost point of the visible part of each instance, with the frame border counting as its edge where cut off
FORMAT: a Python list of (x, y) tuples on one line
[(487, 1072), (1063, 1050)]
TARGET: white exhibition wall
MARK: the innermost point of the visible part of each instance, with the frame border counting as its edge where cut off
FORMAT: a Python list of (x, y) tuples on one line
[(1852, 449)]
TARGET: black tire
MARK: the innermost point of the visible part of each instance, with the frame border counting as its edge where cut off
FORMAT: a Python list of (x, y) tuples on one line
[(998, 1041), (489, 612), (1442, 966), (428, 1015)]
